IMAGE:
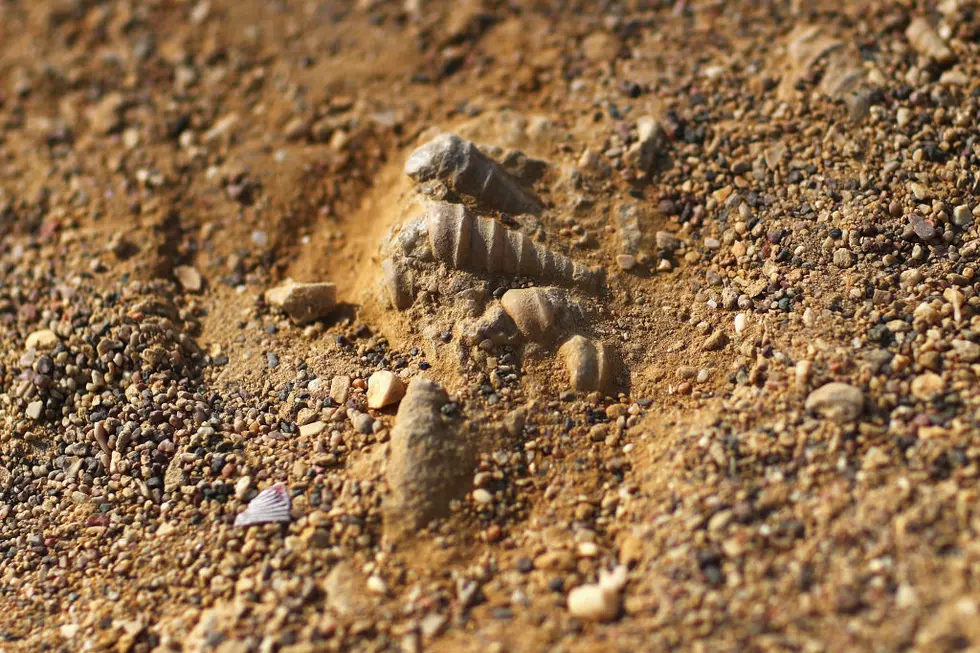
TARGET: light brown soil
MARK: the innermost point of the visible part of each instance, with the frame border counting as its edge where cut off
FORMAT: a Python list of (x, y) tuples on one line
[(260, 141)]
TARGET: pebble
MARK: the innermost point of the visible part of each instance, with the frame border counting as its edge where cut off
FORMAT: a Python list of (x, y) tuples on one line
[(483, 497), (838, 402), (927, 387), (921, 226), (384, 389), (716, 341), (339, 387), (189, 278), (587, 364), (928, 43), (34, 410), (312, 429), (600, 601), (740, 323), (667, 241), (304, 302), (376, 585), (42, 340), (626, 262), (962, 216)]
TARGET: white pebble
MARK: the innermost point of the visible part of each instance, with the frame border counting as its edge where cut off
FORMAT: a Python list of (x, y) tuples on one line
[(740, 321), (376, 585)]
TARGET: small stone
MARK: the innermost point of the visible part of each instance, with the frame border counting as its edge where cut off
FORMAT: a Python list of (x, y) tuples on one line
[(962, 216), (376, 585), (843, 258), (716, 341), (626, 262), (106, 116), (339, 387), (384, 389), (42, 340), (927, 387), (667, 241), (430, 461), (188, 277), (433, 624), (312, 429), (651, 141), (928, 43), (839, 402), (363, 423), (923, 229), (740, 322), (920, 191), (600, 601), (482, 496), (903, 116), (304, 302), (34, 410), (587, 364)]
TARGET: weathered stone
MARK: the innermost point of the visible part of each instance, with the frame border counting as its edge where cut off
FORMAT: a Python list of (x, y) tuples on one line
[(587, 363), (430, 464), (304, 302), (839, 402)]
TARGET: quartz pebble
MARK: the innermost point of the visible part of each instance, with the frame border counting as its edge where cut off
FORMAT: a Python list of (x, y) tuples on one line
[(600, 601), (35, 409), (384, 389), (927, 42)]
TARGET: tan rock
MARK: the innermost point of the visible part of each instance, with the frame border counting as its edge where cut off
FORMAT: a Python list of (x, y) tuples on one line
[(188, 277), (431, 462), (384, 389), (587, 364), (839, 402), (927, 387), (303, 302), (42, 339), (600, 601)]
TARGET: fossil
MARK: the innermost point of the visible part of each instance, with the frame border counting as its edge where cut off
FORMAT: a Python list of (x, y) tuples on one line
[(461, 166), (466, 241)]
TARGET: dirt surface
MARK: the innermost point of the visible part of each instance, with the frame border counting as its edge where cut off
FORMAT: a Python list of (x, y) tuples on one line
[(746, 418)]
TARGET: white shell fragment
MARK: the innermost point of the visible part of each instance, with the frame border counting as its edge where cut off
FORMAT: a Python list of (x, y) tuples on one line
[(269, 505)]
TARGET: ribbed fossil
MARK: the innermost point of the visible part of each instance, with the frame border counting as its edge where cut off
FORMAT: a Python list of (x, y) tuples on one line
[(468, 171), (468, 242)]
